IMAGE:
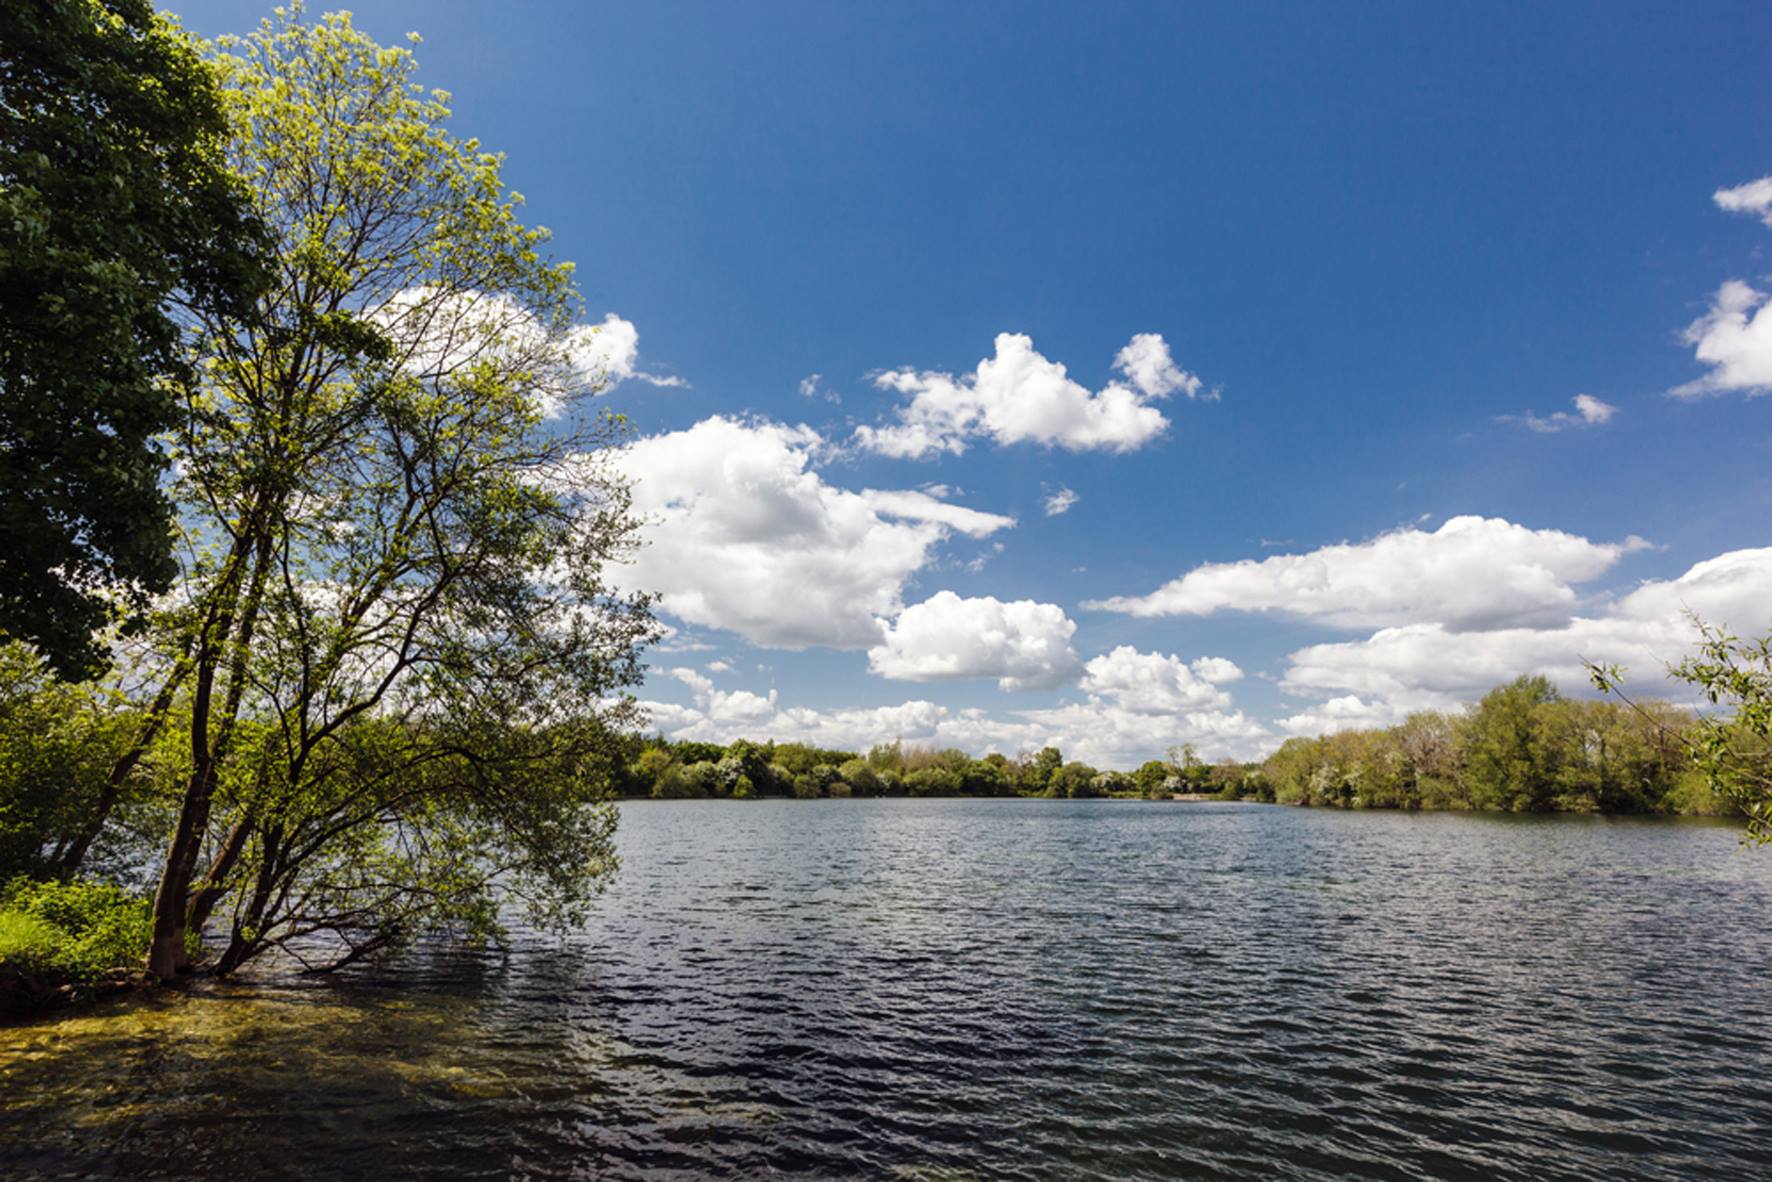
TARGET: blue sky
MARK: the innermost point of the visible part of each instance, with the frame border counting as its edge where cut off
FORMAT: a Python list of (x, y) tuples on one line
[(1379, 237)]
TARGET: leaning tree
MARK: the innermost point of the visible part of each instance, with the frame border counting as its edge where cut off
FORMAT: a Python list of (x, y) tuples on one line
[(392, 666)]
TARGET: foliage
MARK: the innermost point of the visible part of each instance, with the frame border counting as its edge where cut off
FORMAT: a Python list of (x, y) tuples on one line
[(58, 744), (933, 781), (116, 202), (1522, 748), (665, 769), (1512, 753), (1733, 750), (801, 757), (1073, 779), (393, 659), (71, 933), (1152, 779), (1730, 750)]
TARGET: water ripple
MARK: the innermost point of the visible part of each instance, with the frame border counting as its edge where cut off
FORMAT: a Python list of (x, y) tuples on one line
[(1001, 989)]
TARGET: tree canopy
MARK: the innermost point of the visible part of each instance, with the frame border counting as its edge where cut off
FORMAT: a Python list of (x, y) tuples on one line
[(397, 661), (115, 205), (1731, 747)]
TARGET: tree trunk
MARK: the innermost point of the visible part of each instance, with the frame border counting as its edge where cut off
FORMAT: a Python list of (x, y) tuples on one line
[(223, 864), (167, 957)]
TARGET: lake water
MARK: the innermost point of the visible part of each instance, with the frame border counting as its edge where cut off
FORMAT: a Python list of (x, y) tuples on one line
[(989, 989)]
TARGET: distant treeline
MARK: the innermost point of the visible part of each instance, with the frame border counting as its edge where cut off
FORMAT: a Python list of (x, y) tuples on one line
[(1522, 748)]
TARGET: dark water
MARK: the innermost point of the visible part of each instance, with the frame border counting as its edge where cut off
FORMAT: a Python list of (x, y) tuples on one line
[(982, 989)]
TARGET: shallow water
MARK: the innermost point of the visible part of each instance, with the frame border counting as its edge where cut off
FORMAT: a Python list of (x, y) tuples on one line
[(1029, 989)]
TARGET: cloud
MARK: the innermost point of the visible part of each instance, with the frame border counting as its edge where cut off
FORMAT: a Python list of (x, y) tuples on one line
[(1471, 573), (698, 684), (439, 334), (1344, 713), (927, 506), (809, 388), (1023, 644), (979, 561), (1421, 665), (1755, 197), (1736, 345), (1147, 365), (1217, 670), (723, 707), (1060, 502), (1589, 412), (607, 354), (1154, 683), (1019, 396), (1112, 735), (1098, 732), (743, 534), (675, 640)]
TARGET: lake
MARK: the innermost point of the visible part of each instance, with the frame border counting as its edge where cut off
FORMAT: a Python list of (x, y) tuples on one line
[(994, 989)]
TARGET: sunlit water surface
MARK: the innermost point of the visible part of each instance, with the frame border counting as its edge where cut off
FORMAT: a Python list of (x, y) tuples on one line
[(1025, 989)]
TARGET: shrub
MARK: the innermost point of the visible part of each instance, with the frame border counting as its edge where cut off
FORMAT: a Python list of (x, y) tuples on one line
[(1693, 794), (71, 933)]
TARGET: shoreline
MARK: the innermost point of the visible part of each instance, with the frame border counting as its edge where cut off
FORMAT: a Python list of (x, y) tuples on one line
[(1731, 817)]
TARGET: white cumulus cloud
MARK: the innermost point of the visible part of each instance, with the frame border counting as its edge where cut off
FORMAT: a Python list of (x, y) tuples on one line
[(1146, 362), (926, 505), (1019, 396), (1347, 712), (743, 533), (1755, 197), (1421, 665), (1471, 573), (1217, 670), (1023, 644), (608, 354), (1153, 683), (723, 706), (810, 388), (1735, 339), (1111, 735)]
